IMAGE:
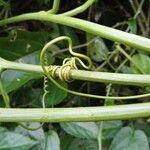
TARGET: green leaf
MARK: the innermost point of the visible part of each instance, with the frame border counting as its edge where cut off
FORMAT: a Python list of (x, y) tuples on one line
[(32, 96), (110, 128), (13, 80), (52, 142), (68, 31), (128, 139), (37, 135), (65, 141), (20, 43), (143, 62), (3, 130), (97, 50), (141, 124), (126, 69), (55, 94), (88, 130), (3, 3), (38, 37), (83, 144), (132, 26), (14, 141), (55, 30)]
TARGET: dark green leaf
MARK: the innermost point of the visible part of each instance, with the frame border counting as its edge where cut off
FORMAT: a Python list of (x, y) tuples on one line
[(38, 37), (126, 69), (83, 144), (37, 135), (3, 3), (32, 96), (110, 128), (65, 141), (70, 32), (52, 142), (128, 139), (87, 130), (12, 80), (14, 141), (55, 94), (97, 50), (20, 43), (132, 26)]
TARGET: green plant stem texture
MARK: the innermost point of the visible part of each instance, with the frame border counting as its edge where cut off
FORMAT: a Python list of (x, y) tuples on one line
[(115, 78), (55, 7), (4, 95), (132, 40), (75, 114)]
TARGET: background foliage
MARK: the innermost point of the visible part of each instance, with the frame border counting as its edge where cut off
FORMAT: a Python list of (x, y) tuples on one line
[(22, 42)]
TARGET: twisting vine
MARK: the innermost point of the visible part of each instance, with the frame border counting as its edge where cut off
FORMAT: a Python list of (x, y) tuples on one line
[(101, 113), (70, 63)]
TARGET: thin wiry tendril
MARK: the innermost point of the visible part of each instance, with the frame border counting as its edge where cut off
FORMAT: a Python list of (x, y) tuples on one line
[(63, 71)]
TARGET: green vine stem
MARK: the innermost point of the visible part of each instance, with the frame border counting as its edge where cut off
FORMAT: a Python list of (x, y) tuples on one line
[(55, 7), (85, 113), (128, 39), (79, 9), (137, 12), (4, 94), (71, 63), (75, 114), (115, 78)]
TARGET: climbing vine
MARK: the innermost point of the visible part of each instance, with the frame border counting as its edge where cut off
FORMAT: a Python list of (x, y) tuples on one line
[(79, 66)]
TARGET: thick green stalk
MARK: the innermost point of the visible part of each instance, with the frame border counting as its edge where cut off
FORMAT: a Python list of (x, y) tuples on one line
[(75, 114), (129, 39), (115, 78)]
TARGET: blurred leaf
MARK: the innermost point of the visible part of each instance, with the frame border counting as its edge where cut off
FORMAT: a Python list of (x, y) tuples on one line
[(128, 139), (3, 130), (55, 95), (39, 37), (20, 43), (97, 50), (13, 80), (126, 69), (110, 128), (68, 31), (88, 130), (65, 141), (83, 144), (14, 141), (143, 61), (146, 89), (3, 3), (37, 135), (32, 96), (55, 31), (144, 126), (126, 91), (132, 26), (52, 142)]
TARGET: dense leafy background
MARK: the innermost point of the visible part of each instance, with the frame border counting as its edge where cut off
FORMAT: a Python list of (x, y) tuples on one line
[(22, 42)]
